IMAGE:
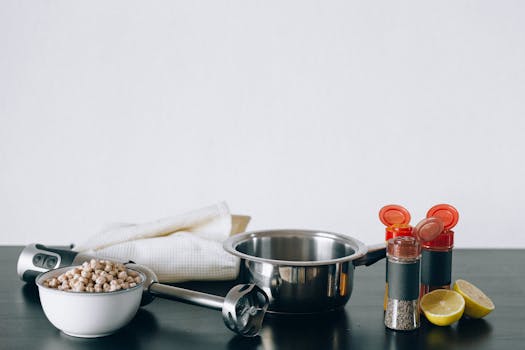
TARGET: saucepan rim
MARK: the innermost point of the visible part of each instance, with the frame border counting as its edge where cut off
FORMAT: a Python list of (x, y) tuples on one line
[(231, 244)]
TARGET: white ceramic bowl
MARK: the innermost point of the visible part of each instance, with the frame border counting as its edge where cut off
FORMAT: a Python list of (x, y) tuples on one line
[(88, 315)]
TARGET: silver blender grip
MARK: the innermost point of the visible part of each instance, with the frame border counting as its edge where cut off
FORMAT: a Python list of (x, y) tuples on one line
[(243, 308), (36, 258)]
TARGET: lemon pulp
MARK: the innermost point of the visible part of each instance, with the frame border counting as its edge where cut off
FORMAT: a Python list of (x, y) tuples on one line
[(477, 304), (443, 307)]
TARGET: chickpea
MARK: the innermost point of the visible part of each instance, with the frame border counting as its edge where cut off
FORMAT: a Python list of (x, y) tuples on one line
[(101, 280), (53, 282), (95, 276), (79, 287)]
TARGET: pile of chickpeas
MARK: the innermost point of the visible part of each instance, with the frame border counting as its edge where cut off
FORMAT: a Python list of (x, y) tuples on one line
[(95, 276)]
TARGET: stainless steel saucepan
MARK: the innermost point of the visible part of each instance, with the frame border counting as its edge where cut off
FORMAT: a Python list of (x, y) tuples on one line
[(301, 271)]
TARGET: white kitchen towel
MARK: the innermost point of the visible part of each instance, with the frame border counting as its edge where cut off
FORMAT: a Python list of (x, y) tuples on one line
[(180, 248)]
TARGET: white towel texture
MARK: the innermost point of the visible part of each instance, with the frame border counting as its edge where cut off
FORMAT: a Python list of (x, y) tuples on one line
[(185, 247)]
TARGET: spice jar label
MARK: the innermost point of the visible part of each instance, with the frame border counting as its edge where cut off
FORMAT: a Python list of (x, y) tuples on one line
[(436, 268), (403, 280)]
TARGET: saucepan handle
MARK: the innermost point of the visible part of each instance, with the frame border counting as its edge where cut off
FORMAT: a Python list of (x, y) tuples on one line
[(375, 253)]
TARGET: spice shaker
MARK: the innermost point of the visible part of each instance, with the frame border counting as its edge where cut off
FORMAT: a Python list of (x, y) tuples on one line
[(403, 258), (436, 259), (396, 219)]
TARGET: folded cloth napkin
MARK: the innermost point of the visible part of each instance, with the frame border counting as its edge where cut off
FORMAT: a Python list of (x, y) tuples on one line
[(179, 248)]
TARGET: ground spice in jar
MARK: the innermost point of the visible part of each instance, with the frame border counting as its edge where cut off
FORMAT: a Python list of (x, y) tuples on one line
[(403, 258), (402, 315)]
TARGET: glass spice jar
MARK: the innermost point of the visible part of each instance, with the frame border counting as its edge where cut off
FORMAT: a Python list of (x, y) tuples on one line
[(396, 220), (436, 260), (403, 258)]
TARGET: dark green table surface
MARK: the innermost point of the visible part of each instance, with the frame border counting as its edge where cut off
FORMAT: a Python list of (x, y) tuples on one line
[(171, 325)]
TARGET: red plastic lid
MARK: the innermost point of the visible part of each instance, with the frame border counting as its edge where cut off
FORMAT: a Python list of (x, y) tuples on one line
[(447, 213), (398, 230), (429, 228), (394, 214), (444, 241)]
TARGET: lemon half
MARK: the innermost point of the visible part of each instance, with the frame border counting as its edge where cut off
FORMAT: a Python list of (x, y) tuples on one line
[(477, 304), (442, 307)]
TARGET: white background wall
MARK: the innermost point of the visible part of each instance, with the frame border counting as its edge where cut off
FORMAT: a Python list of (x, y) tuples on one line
[(307, 114)]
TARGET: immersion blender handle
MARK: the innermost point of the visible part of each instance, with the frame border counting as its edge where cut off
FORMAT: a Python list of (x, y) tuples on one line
[(186, 296)]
